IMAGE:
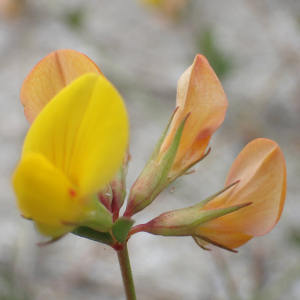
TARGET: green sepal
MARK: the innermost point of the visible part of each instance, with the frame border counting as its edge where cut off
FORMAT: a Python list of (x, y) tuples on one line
[(91, 234), (184, 222), (210, 241), (153, 178), (220, 212), (113, 195), (156, 150), (210, 198), (118, 186), (121, 229), (186, 170), (168, 158), (99, 218), (51, 241)]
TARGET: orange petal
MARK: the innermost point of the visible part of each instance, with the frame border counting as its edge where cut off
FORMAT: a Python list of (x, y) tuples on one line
[(230, 239), (50, 75), (261, 169), (200, 92)]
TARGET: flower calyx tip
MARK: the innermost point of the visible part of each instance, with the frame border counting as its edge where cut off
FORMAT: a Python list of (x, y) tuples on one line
[(207, 200), (186, 221), (210, 241), (155, 176)]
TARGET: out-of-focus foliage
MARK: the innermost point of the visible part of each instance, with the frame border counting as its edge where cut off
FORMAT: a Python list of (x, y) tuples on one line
[(10, 9), (75, 18), (11, 286), (170, 8), (218, 59)]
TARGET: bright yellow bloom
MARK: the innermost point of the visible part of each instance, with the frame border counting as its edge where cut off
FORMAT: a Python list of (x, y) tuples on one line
[(200, 93), (260, 167), (72, 150), (50, 76)]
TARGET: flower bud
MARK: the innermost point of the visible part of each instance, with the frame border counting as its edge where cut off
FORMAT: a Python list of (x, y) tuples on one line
[(200, 93), (154, 177), (118, 187), (113, 195), (201, 106)]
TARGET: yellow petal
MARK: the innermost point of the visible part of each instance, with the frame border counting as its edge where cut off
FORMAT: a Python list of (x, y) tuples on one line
[(39, 185), (52, 230), (261, 169), (50, 76), (200, 93), (83, 132), (46, 196)]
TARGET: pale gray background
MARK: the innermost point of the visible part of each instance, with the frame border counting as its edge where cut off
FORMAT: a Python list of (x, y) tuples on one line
[(144, 54)]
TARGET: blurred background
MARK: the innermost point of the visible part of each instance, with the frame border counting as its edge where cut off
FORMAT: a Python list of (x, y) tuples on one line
[(143, 48)]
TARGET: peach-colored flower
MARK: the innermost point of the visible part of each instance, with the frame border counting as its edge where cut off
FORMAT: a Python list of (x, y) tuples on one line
[(200, 93), (260, 167), (50, 76), (201, 107), (250, 204)]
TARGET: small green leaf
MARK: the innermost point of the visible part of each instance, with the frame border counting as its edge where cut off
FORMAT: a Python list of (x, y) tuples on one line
[(219, 61), (169, 156), (75, 18), (121, 229), (94, 235), (162, 137), (213, 214)]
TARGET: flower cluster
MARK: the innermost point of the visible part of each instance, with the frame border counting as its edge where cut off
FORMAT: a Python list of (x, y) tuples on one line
[(71, 176), (74, 147)]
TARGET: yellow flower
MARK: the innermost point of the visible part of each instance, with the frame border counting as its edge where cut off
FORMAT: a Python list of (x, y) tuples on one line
[(47, 78), (200, 93), (72, 150), (54, 72)]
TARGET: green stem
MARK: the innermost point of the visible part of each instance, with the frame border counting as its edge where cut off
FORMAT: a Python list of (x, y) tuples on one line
[(126, 273)]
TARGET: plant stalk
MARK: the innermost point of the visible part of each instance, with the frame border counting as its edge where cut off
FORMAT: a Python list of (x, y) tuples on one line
[(126, 273)]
